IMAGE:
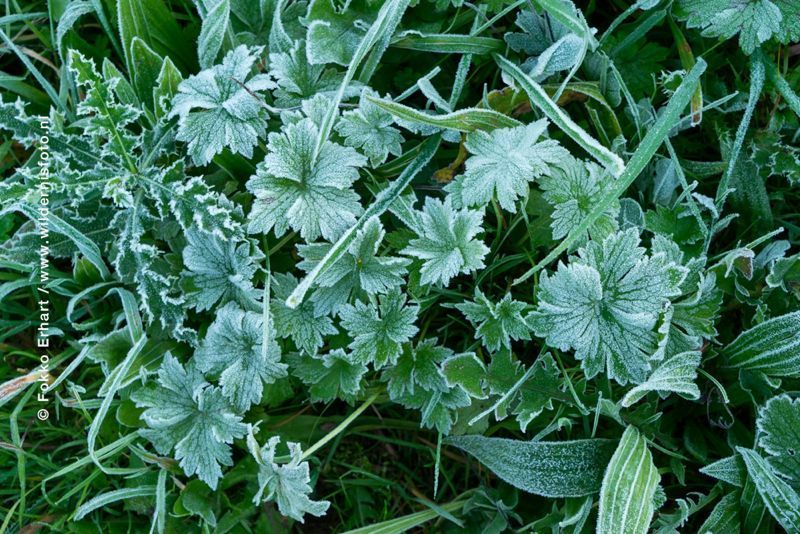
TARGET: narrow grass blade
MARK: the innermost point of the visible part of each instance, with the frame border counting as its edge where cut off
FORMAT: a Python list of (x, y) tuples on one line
[(118, 377), (464, 120), (86, 246), (539, 98), (399, 525), (104, 499), (443, 43), (381, 203), (388, 18), (655, 136), (48, 88), (564, 12), (780, 83), (757, 76)]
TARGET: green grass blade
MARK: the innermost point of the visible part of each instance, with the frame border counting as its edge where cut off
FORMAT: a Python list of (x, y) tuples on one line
[(463, 120), (552, 111), (652, 141), (109, 497)]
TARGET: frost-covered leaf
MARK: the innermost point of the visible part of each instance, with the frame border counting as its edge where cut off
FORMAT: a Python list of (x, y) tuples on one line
[(724, 517), (771, 347), (730, 469), (754, 21), (233, 348), (573, 189), (605, 303), (306, 328), (369, 129), (466, 371), (417, 367), (778, 424), (379, 331), (330, 376), (218, 271), (334, 34), (629, 487), (437, 408), (504, 161), (292, 190), (782, 501), (107, 119), (496, 324), (676, 375), (220, 107), (360, 271), (184, 413), (446, 241), (297, 79), (547, 468), (289, 485)]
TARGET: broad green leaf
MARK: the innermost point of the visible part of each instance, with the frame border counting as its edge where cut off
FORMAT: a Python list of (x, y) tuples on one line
[(755, 22), (724, 518), (369, 129), (444, 43), (153, 22), (771, 347), (212, 32), (302, 323), (782, 501), (730, 469), (547, 468), (418, 367), (629, 487), (335, 375), (334, 34), (147, 65), (676, 375)]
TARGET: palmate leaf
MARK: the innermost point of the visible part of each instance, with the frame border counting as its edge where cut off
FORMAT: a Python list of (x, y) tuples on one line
[(302, 324), (335, 375), (334, 34), (289, 485), (629, 487), (417, 367), (220, 107), (369, 129), (379, 331), (184, 413), (298, 80), (504, 161), (548, 468), (496, 324), (778, 424), (218, 271), (359, 271), (312, 197), (754, 21), (605, 303), (574, 188), (446, 241), (233, 348)]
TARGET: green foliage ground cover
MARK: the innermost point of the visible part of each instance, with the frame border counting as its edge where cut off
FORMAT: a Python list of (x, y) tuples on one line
[(432, 265)]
